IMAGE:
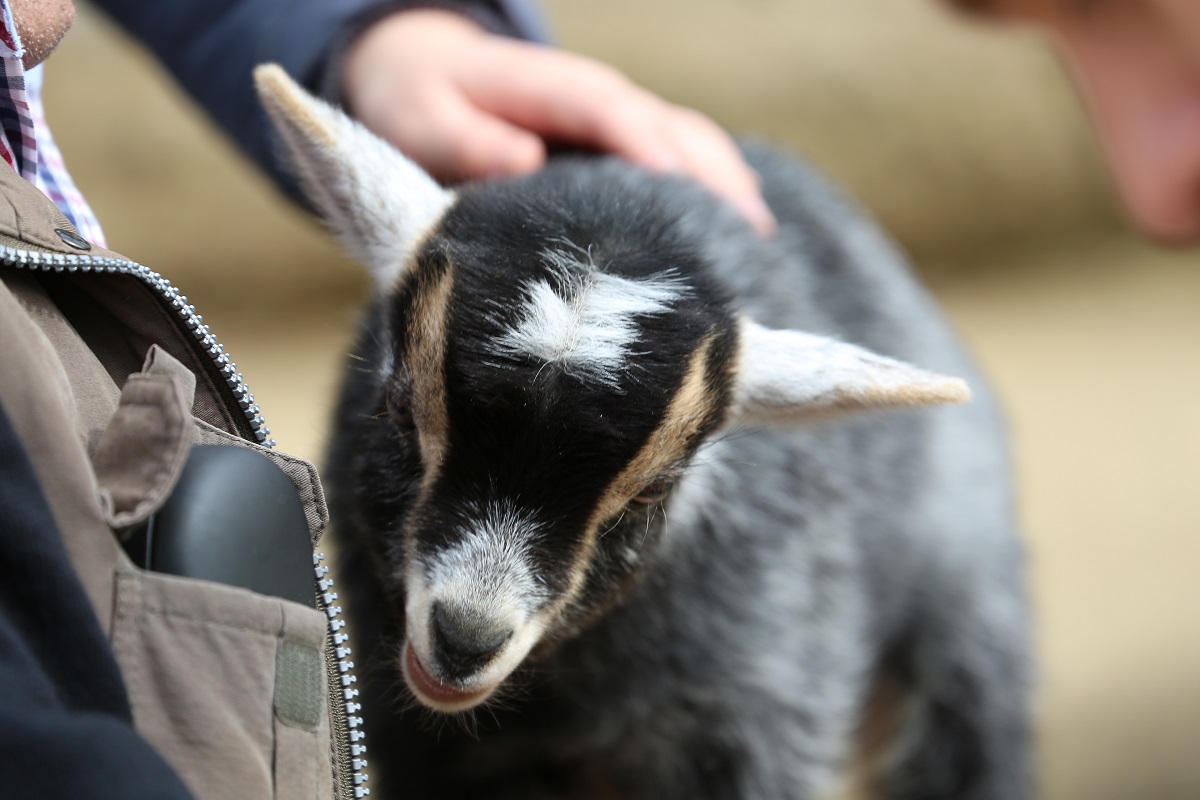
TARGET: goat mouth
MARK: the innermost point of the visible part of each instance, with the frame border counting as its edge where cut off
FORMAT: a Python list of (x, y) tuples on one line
[(434, 693)]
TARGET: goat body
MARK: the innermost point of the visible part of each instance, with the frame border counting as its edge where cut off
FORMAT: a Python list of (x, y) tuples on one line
[(613, 526)]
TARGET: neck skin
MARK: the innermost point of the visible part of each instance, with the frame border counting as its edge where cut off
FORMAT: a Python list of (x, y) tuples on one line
[(41, 25)]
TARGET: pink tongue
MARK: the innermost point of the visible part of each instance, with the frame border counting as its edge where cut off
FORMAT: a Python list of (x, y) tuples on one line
[(431, 686)]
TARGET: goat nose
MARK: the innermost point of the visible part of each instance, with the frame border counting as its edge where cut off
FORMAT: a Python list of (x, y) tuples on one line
[(465, 640)]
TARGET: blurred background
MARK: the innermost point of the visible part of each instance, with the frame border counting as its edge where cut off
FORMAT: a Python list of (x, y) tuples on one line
[(970, 147)]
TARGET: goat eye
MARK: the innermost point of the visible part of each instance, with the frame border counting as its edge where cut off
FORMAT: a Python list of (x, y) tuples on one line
[(400, 411), (652, 493)]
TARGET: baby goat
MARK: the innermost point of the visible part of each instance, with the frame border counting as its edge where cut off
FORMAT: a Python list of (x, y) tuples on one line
[(558, 504)]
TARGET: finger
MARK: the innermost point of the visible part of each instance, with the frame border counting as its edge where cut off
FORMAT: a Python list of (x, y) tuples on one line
[(454, 140), (712, 157), (587, 104), (573, 100)]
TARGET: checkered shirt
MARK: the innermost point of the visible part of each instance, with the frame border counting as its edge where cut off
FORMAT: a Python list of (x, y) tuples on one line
[(25, 140)]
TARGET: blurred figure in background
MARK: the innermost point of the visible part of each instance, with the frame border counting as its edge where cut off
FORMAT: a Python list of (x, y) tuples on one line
[(1137, 63)]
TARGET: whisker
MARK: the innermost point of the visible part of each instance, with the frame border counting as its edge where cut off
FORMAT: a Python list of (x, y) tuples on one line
[(620, 519)]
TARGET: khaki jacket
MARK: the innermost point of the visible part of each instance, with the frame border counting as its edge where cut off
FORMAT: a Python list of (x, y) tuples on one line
[(109, 379)]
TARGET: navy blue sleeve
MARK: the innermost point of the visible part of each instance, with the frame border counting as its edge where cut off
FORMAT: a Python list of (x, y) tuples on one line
[(65, 725), (212, 46)]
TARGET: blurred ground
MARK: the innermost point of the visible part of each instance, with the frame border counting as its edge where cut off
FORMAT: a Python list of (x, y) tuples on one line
[(969, 146)]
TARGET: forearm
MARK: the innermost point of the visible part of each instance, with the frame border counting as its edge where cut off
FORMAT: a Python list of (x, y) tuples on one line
[(463, 103), (211, 48)]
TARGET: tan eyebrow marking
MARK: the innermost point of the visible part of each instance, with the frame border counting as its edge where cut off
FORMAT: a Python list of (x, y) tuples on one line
[(425, 352), (690, 410)]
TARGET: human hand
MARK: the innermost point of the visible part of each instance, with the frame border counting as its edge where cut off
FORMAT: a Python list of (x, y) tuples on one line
[(466, 104)]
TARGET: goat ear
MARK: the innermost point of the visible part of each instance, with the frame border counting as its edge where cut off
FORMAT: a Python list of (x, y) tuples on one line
[(379, 203), (789, 376)]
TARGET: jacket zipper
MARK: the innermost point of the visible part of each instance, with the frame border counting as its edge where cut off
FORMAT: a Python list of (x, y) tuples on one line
[(345, 728), (47, 261)]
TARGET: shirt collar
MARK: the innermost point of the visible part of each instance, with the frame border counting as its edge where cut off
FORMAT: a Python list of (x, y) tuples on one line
[(25, 141), (19, 141)]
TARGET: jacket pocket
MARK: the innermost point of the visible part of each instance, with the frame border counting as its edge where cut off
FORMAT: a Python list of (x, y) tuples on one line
[(229, 685)]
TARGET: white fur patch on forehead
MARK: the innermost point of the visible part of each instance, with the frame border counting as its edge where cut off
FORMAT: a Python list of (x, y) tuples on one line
[(489, 567), (588, 325)]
